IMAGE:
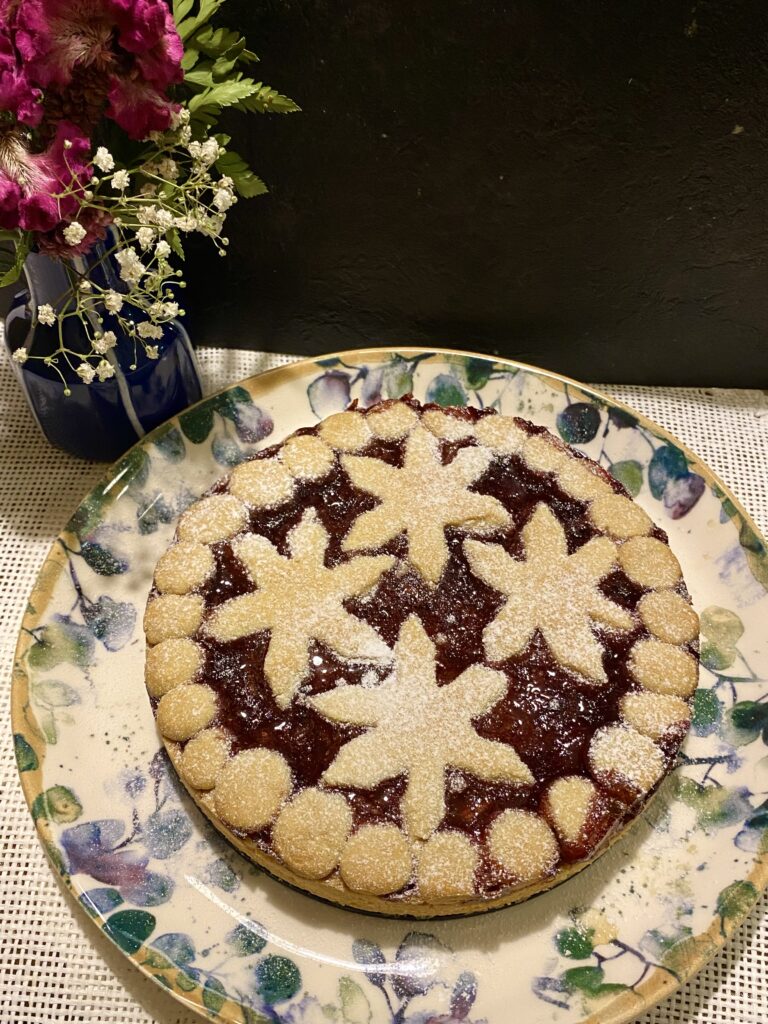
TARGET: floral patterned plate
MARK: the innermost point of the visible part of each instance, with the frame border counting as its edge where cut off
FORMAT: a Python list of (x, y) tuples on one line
[(224, 937)]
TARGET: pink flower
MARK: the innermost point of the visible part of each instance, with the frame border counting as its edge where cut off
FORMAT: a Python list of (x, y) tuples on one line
[(34, 181), (10, 196), (138, 108), (117, 57)]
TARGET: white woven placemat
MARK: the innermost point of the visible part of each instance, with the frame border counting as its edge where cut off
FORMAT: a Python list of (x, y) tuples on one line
[(54, 964)]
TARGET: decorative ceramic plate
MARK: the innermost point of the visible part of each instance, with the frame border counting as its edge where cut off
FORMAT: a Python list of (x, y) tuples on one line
[(224, 937)]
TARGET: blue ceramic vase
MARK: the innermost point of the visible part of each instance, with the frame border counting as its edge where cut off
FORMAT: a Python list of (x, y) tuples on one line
[(97, 421)]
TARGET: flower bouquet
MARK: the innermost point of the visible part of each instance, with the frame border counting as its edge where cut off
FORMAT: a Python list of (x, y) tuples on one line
[(109, 160)]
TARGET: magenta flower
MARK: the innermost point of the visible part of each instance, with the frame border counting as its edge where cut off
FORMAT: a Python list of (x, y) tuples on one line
[(117, 57), (137, 107), (34, 182)]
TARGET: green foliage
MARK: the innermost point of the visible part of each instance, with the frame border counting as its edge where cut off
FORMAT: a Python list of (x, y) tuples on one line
[(214, 80), (574, 943), (245, 941), (57, 803), (735, 901), (12, 259), (245, 181), (26, 758), (129, 929), (715, 806), (589, 981), (445, 390), (214, 994), (629, 472)]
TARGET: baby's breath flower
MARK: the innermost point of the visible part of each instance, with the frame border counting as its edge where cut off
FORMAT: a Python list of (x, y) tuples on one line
[(179, 117), (223, 199), (121, 180), (162, 249), (113, 301), (86, 373), (20, 356), (164, 219), (74, 233), (146, 236), (46, 315), (104, 342), (152, 351), (168, 168), (105, 370), (103, 159), (131, 268), (186, 223), (148, 330), (147, 214), (85, 285)]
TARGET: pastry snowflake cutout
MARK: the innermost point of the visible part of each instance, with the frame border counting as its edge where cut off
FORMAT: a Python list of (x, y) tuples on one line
[(420, 499), (300, 600), (551, 591), (419, 729)]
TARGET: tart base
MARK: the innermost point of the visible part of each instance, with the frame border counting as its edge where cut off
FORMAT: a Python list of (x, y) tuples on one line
[(338, 895)]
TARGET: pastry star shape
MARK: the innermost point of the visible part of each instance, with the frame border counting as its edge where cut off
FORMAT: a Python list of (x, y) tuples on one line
[(419, 729), (300, 600), (421, 499), (551, 591)]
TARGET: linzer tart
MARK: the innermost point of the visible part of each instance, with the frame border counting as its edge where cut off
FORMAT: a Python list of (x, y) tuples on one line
[(420, 661)]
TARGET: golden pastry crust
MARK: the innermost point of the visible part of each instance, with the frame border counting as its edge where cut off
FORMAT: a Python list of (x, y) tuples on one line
[(310, 608)]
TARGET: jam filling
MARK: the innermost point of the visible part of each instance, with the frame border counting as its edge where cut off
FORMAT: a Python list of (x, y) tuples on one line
[(548, 715)]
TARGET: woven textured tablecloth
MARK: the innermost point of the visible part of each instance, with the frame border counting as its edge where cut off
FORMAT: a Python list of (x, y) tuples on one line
[(54, 963)]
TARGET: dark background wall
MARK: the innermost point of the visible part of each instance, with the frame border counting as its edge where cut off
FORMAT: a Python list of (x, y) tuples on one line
[(581, 185)]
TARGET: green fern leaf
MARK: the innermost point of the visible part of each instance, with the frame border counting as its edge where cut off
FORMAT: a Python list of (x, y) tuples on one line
[(266, 100), (223, 94), (187, 26), (246, 182)]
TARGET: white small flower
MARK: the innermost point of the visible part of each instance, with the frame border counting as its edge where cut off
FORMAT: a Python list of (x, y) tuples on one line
[(46, 315), (20, 356), (147, 214), (170, 309), (179, 118), (67, 143), (121, 180), (148, 330), (168, 168), (86, 286), (104, 159), (88, 195), (74, 233), (131, 268), (104, 342), (211, 151), (223, 199), (105, 370), (226, 182), (186, 223), (164, 219), (146, 236), (185, 134), (152, 351), (162, 249), (113, 301), (86, 373)]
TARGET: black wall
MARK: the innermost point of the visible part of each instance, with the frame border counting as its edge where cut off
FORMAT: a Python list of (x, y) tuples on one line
[(582, 185)]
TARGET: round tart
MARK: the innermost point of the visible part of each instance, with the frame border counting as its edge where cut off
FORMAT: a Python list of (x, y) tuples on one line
[(420, 661)]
